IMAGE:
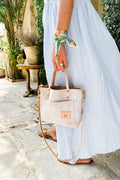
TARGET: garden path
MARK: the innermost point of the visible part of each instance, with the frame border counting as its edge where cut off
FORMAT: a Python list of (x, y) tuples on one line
[(24, 155)]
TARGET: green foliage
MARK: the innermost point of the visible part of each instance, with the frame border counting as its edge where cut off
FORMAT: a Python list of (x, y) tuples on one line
[(2, 11), (15, 8), (1, 66), (13, 54), (40, 5), (18, 11), (111, 17), (3, 45), (11, 14)]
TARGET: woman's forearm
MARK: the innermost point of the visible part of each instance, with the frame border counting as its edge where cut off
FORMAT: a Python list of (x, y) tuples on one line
[(64, 14)]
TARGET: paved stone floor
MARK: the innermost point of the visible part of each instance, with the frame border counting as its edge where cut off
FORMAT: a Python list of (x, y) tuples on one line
[(24, 155)]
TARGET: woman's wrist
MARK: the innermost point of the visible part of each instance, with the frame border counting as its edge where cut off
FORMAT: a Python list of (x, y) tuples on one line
[(65, 8), (61, 38), (58, 32)]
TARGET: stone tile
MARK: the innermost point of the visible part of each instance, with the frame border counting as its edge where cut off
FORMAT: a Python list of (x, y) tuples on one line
[(47, 167), (27, 139), (14, 108), (107, 177), (24, 155), (117, 153), (12, 163), (110, 161)]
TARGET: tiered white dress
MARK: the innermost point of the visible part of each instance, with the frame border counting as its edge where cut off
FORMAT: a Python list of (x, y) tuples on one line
[(95, 65)]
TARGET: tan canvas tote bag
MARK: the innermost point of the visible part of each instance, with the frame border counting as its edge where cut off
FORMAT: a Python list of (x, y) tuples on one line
[(61, 105)]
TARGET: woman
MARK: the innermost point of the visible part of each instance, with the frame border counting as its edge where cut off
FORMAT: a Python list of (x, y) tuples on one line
[(94, 64)]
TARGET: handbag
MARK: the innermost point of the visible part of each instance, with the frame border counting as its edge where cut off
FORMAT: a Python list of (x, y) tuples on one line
[(61, 105)]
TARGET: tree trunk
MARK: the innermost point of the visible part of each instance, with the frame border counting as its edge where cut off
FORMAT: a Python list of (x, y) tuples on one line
[(13, 71)]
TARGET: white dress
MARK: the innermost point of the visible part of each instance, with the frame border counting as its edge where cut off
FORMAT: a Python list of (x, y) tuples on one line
[(95, 65)]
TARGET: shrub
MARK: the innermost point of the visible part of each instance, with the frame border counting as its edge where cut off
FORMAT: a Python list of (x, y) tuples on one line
[(111, 17), (27, 39), (40, 5)]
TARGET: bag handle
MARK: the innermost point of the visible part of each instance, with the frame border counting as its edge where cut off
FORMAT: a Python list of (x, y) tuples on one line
[(66, 73), (67, 83), (56, 155)]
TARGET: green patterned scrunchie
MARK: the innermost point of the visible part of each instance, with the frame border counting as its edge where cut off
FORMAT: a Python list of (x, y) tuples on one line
[(61, 37)]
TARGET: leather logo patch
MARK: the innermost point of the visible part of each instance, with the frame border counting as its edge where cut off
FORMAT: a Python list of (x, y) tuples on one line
[(65, 114)]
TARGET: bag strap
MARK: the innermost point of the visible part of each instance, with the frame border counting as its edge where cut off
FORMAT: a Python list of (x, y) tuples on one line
[(56, 155), (66, 73), (67, 82)]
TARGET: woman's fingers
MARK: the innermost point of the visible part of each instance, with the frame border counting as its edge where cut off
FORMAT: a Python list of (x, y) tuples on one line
[(66, 63), (55, 66), (58, 62), (54, 63), (62, 68), (61, 61), (53, 59), (61, 58)]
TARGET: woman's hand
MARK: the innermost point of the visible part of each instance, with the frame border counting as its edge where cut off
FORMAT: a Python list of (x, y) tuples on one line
[(61, 58), (65, 8)]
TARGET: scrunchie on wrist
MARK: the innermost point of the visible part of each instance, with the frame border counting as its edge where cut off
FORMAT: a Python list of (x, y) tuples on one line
[(61, 37)]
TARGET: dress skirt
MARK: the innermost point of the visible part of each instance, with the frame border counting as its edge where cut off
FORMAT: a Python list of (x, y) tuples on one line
[(95, 65)]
